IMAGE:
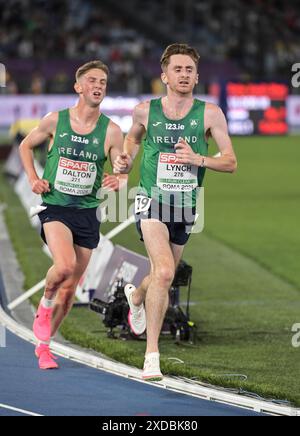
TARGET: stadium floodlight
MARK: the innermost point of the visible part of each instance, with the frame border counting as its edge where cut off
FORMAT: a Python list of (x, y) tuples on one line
[(2, 76)]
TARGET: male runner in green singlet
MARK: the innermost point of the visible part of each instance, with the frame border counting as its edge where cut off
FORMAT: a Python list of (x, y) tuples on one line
[(81, 139), (175, 130)]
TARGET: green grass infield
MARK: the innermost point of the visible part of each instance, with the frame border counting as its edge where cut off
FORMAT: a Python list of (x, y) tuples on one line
[(246, 278)]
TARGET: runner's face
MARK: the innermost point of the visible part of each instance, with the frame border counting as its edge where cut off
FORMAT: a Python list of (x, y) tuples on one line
[(92, 86), (181, 74)]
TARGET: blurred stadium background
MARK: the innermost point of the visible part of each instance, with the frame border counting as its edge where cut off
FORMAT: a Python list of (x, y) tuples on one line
[(246, 279)]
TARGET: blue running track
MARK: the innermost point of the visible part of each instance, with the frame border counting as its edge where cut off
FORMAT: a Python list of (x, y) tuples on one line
[(77, 390)]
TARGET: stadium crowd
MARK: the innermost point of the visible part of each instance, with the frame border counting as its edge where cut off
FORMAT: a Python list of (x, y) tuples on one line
[(258, 36)]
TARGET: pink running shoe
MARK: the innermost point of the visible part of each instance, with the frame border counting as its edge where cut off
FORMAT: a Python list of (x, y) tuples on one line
[(42, 324), (46, 359)]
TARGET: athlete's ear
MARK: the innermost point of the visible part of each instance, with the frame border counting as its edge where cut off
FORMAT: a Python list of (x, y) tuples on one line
[(78, 88), (164, 78), (197, 79)]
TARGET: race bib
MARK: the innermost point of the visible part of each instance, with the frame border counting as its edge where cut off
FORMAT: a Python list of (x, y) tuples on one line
[(142, 204), (75, 178), (176, 177)]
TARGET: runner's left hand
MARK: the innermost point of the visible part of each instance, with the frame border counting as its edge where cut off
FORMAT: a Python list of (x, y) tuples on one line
[(185, 153), (114, 183), (110, 183)]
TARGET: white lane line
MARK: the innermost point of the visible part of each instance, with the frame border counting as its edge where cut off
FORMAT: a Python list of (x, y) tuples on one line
[(176, 385), (14, 409)]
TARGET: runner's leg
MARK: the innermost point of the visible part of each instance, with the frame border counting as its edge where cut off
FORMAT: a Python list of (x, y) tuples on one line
[(157, 298), (60, 242), (139, 296), (177, 251), (66, 293)]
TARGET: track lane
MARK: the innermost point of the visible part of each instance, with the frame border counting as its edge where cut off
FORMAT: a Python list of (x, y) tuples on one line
[(77, 390)]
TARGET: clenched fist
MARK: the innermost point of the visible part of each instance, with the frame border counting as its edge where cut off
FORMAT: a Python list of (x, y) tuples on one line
[(40, 186), (123, 164), (185, 153)]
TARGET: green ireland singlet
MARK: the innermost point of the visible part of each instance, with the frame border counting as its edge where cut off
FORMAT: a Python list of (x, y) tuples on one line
[(161, 176), (75, 165)]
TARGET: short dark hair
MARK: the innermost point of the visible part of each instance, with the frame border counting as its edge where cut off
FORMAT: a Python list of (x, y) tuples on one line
[(91, 66), (176, 49)]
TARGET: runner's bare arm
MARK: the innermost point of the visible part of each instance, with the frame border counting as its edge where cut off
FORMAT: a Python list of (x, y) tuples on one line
[(113, 148), (45, 131), (137, 132), (216, 124), (215, 121), (133, 139)]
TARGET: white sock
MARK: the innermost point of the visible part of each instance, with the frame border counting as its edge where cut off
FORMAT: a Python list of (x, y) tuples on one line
[(47, 304), (45, 343)]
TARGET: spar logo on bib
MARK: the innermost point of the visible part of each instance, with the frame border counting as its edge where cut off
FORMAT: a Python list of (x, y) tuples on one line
[(168, 158), (75, 177), (73, 165)]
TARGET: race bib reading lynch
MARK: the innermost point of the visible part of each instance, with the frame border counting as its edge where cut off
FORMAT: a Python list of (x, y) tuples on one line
[(176, 177), (75, 177)]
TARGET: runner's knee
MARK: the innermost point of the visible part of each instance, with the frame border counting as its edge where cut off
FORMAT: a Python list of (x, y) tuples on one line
[(65, 270), (164, 274)]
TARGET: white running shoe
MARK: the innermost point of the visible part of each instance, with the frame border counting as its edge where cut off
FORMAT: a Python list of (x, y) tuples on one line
[(152, 367), (137, 314)]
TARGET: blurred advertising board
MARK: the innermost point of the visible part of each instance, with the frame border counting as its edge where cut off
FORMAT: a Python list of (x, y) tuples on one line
[(26, 107), (257, 108), (293, 109), (262, 109)]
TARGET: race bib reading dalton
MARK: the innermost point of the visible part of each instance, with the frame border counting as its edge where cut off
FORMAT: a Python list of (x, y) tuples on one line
[(174, 176), (75, 177)]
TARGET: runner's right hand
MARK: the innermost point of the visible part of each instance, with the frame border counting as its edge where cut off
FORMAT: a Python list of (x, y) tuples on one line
[(40, 186), (123, 164)]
